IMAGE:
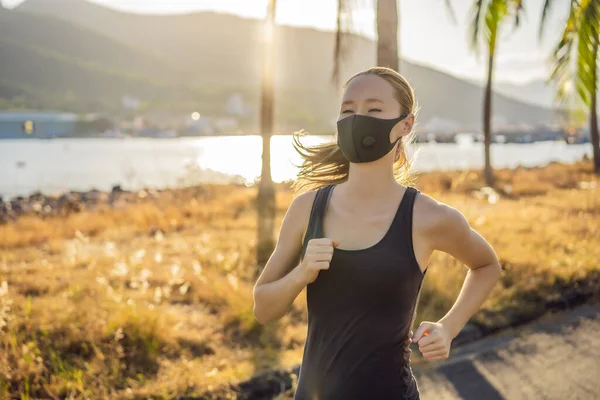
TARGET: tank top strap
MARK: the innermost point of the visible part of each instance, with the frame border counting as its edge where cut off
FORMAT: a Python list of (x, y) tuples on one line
[(317, 214), (407, 203), (405, 219)]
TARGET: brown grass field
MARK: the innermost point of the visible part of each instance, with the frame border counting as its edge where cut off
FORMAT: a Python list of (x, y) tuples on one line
[(154, 298)]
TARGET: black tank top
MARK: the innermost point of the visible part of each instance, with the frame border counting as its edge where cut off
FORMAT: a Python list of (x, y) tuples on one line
[(360, 313)]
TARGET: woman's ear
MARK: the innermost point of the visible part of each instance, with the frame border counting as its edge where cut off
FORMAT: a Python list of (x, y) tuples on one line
[(402, 128), (408, 123)]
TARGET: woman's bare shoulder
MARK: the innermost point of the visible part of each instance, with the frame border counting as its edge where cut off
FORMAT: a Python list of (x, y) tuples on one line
[(436, 217), (298, 212), (295, 223), (302, 203)]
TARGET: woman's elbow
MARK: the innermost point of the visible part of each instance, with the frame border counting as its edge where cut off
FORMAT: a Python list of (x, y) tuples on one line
[(260, 318), (260, 313)]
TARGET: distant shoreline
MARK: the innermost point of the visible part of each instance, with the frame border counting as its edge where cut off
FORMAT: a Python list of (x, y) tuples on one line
[(57, 167), (422, 137)]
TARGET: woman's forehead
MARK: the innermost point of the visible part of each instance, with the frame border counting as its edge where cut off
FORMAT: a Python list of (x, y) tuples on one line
[(368, 86)]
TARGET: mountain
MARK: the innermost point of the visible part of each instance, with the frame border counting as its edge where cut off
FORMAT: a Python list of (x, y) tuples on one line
[(208, 57), (50, 61), (536, 92)]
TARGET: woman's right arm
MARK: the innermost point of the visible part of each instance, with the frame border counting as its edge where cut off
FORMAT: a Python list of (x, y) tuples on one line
[(283, 277)]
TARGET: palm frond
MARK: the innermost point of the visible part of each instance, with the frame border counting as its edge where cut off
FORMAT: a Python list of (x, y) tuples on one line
[(547, 9), (477, 12), (575, 57), (587, 60), (545, 13), (563, 60), (487, 16), (518, 11), (450, 11), (496, 12)]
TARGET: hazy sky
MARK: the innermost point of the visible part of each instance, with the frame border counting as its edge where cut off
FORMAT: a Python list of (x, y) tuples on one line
[(427, 34)]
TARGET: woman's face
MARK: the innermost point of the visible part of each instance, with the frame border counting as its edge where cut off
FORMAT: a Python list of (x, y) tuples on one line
[(373, 96)]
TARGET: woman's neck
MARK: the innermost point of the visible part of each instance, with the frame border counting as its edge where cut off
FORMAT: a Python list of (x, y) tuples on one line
[(370, 180)]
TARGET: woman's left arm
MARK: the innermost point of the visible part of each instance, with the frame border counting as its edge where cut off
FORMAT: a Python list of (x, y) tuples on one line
[(452, 234)]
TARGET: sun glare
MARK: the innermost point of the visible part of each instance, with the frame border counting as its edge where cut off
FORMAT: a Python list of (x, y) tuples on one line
[(269, 32)]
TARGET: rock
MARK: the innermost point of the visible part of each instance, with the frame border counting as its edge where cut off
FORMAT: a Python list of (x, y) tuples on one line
[(36, 196), (17, 206), (266, 385), (37, 206), (94, 196), (73, 201), (63, 199), (153, 192), (4, 212), (67, 204), (157, 233)]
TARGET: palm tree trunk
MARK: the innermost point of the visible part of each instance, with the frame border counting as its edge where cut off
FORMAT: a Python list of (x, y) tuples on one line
[(387, 34), (266, 190), (594, 134), (594, 112), (487, 123)]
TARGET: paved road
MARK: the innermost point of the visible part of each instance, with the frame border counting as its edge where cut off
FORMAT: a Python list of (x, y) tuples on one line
[(556, 357)]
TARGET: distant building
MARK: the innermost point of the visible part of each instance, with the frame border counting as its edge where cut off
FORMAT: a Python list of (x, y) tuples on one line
[(440, 125), (226, 124), (36, 125), (237, 106), (130, 103), (199, 127)]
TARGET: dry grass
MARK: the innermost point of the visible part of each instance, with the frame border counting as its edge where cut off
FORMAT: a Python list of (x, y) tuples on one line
[(154, 298)]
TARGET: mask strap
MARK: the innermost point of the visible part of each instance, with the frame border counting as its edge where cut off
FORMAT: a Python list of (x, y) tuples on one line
[(399, 119)]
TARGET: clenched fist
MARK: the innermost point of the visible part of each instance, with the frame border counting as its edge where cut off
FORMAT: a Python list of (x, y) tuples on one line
[(316, 258)]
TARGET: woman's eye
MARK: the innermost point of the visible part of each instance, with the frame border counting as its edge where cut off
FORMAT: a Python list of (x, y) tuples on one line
[(374, 110), (346, 111)]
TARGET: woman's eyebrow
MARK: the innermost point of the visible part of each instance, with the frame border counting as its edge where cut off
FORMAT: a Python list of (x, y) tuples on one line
[(371, 100)]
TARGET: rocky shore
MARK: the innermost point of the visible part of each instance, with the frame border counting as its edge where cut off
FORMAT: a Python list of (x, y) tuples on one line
[(42, 205)]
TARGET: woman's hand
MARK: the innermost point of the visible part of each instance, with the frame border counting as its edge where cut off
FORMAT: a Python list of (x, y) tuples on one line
[(317, 257), (434, 340)]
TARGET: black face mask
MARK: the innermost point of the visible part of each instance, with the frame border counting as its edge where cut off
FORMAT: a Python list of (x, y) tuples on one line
[(363, 138)]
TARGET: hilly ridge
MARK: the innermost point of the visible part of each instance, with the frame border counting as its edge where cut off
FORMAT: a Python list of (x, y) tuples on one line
[(199, 59), (56, 64)]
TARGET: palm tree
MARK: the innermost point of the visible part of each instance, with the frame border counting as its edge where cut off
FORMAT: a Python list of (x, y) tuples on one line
[(387, 34), (266, 189), (488, 18), (576, 64)]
